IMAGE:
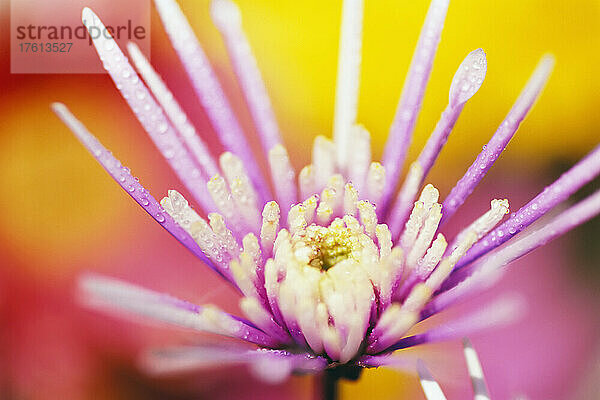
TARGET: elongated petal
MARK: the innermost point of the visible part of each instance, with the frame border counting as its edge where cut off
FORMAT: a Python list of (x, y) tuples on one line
[(226, 16), (147, 111), (118, 296), (276, 365), (176, 360), (209, 91), (467, 80), (131, 185), (174, 111), (475, 371), (432, 389), (492, 150), (403, 125), (568, 183), (481, 274), (502, 311), (348, 79)]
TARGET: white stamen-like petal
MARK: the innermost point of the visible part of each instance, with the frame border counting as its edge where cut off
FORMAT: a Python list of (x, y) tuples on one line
[(425, 235), (210, 243), (384, 240), (432, 257), (376, 182), (336, 183), (296, 218), (360, 158), (217, 223), (242, 277), (428, 197), (439, 275), (368, 217), (250, 244), (219, 192), (283, 178), (323, 161), (327, 204), (413, 225), (306, 182), (310, 206), (270, 226), (350, 199), (485, 223), (242, 190)]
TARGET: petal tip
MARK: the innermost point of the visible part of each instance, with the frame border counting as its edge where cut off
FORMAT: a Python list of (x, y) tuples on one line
[(468, 78)]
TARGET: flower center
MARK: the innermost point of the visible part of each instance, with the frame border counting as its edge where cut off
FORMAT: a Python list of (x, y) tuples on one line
[(324, 247)]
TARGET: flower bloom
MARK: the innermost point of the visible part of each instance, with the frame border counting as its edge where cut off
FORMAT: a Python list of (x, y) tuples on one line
[(334, 265)]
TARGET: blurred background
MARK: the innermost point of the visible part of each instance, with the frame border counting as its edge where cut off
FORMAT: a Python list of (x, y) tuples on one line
[(62, 214)]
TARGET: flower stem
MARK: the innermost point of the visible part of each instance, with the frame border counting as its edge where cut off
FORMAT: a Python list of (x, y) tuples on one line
[(329, 388), (330, 384)]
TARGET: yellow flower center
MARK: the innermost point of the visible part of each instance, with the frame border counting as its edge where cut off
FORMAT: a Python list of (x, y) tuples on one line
[(324, 247)]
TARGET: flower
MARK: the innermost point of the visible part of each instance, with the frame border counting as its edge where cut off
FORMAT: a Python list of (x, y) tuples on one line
[(335, 272)]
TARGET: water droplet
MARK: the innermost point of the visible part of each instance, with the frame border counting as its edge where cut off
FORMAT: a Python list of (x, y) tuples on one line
[(131, 188), (144, 201), (163, 127), (160, 218), (169, 153)]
